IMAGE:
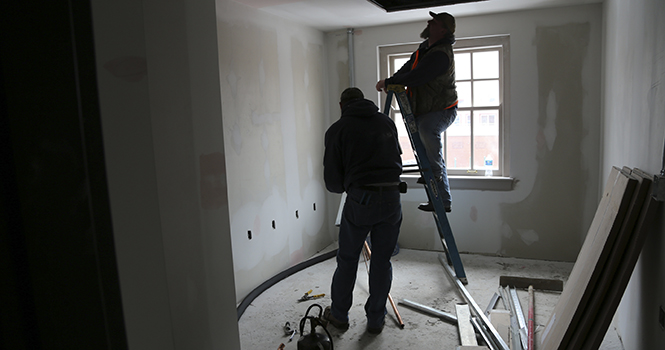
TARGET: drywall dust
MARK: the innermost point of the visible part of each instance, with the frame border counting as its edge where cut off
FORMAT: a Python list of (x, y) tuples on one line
[(549, 220)]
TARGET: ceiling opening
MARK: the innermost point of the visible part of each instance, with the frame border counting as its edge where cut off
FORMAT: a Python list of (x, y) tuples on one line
[(402, 5)]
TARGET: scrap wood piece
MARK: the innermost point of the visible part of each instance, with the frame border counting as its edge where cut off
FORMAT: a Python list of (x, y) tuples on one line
[(466, 333), (593, 254), (501, 321)]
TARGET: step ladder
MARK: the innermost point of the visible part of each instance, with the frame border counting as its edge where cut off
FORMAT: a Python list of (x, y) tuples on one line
[(440, 217)]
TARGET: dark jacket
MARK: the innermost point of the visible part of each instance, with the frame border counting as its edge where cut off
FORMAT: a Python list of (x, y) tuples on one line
[(362, 148), (432, 82)]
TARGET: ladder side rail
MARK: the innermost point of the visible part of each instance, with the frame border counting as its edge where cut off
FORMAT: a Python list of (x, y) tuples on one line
[(443, 225)]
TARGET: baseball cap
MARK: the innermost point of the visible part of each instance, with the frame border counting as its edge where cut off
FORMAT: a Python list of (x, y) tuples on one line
[(446, 18)]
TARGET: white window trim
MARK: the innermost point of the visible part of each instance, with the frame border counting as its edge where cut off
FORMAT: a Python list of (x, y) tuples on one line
[(497, 183)]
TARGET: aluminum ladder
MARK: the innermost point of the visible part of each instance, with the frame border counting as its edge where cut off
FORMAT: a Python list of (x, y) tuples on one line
[(442, 224)]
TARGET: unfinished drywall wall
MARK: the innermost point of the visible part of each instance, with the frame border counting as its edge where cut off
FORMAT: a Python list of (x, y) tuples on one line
[(554, 134), (273, 91), (161, 114), (337, 71), (633, 134), (561, 54)]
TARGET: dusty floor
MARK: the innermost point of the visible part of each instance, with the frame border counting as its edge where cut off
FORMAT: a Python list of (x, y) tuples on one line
[(417, 276)]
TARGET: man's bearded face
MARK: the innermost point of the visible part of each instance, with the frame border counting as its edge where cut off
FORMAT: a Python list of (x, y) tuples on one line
[(425, 33)]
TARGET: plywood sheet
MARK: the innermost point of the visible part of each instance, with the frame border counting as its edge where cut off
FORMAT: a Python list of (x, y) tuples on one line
[(591, 309), (595, 250), (625, 268)]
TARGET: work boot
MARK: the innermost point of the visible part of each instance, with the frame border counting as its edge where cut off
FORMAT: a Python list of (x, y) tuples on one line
[(429, 207), (329, 318), (375, 330)]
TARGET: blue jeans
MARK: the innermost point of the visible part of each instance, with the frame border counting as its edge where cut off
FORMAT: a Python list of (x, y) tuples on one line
[(380, 215), (430, 127)]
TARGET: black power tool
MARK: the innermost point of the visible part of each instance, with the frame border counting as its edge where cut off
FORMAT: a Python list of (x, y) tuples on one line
[(314, 340)]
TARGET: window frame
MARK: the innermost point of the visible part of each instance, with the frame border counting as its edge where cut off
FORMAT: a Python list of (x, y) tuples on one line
[(387, 54)]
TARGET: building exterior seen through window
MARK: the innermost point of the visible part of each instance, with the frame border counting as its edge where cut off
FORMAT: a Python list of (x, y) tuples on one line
[(473, 144)]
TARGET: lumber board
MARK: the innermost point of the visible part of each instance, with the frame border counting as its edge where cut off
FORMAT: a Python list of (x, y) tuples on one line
[(625, 269), (617, 250), (593, 254), (467, 334), (525, 282)]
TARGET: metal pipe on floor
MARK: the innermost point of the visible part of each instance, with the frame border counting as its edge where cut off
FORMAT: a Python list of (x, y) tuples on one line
[(452, 319), (352, 69)]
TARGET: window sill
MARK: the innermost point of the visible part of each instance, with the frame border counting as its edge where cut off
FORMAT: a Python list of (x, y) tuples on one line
[(482, 183)]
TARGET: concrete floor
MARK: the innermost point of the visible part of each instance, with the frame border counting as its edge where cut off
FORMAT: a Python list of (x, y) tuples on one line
[(417, 276)]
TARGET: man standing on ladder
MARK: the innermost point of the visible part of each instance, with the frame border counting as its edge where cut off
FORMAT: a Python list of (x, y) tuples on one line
[(362, 158), (429, 76)]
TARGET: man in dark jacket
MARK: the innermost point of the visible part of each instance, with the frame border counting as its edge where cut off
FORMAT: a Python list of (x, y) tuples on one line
[(362, 158), (430, 78)]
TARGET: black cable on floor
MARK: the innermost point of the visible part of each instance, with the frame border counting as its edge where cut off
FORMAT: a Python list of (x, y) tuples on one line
[(280, 276)]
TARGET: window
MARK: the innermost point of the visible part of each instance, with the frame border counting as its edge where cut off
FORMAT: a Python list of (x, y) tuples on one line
[(477, 141)]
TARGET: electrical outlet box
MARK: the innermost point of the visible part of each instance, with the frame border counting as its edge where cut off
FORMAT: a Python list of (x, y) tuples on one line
[(659, 187)]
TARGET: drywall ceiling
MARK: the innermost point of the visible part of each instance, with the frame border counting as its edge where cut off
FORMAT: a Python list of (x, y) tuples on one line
[(328, 15)]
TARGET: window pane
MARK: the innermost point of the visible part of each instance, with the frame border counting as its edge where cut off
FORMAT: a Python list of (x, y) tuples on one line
[(462, 66), (398, 63), (486, 65), (458, 150), (408, 158), (486, 93), (464, 94), (486, 138)]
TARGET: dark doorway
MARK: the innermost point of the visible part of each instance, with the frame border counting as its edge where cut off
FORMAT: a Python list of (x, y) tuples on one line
[(60, 286)]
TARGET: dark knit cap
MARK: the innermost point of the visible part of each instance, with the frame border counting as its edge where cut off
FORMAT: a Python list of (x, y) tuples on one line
[(350, 94)]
